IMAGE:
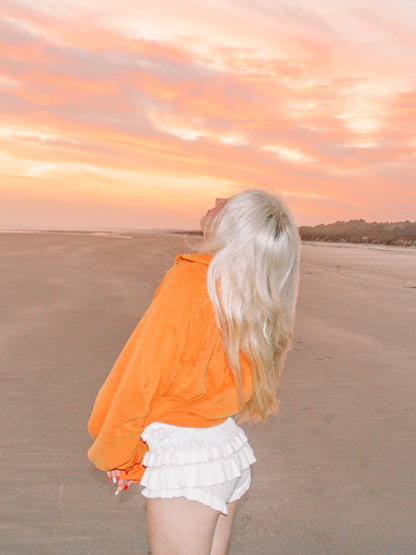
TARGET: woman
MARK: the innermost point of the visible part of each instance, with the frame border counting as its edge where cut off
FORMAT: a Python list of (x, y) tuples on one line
[(211, 346)]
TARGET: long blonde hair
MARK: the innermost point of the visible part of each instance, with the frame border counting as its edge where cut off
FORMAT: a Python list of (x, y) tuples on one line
[(252, 282)]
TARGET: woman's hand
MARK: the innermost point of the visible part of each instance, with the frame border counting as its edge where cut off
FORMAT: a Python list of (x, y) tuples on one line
[(114, 476)]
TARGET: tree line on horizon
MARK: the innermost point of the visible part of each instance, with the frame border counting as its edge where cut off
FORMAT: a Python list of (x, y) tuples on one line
[(359, 231)]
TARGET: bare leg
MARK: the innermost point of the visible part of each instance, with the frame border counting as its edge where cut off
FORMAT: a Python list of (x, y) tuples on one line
[(180, 527), (222, 532)]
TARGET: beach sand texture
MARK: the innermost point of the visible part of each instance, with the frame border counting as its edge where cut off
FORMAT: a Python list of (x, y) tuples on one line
[(336, 466)]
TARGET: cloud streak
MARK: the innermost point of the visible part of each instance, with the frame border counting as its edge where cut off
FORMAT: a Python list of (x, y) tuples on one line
[(278, 96)]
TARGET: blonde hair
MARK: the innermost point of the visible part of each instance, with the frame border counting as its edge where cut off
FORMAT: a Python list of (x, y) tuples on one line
[(252, 282)]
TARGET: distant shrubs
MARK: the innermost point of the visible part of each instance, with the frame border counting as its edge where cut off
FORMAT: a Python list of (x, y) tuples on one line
[(360, 231)]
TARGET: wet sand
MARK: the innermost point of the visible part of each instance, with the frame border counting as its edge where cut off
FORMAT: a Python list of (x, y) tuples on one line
[(336, 466)]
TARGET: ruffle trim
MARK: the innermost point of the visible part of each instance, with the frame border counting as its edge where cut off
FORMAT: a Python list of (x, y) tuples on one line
[(214, 471), (202, 454)]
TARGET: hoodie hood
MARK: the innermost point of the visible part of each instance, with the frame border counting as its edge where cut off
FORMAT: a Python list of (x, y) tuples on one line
[(196, 257)]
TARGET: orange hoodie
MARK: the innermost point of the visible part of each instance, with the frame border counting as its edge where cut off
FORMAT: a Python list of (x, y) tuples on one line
[(173, 369)]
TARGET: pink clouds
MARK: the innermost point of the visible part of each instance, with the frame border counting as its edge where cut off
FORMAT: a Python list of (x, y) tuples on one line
[(295, 106)]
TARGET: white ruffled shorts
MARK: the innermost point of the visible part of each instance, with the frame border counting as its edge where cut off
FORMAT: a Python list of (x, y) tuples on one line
[(209, 465)]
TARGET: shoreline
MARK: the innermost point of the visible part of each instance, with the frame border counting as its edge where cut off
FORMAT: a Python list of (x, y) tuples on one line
[(346, 244), (131, 234)]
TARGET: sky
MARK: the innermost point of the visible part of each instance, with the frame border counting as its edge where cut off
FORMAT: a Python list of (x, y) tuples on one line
[(138, 114)]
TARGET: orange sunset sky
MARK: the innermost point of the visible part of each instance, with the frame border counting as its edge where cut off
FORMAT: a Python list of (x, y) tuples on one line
[(137, 114)]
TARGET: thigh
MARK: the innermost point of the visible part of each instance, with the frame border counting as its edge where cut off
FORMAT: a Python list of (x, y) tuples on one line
[(180, 527), (223, 529)]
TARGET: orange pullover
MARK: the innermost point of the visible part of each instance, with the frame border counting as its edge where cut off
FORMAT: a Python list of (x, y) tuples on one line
[(173, 369)]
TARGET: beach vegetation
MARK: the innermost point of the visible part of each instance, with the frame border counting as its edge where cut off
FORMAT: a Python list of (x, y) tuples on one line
[(359, 231)]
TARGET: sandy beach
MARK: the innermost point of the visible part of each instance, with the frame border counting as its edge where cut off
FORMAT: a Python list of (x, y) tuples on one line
[(335, 471)]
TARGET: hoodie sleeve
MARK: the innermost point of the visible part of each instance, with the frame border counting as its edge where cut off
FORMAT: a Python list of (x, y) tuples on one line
[(124, 400)]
